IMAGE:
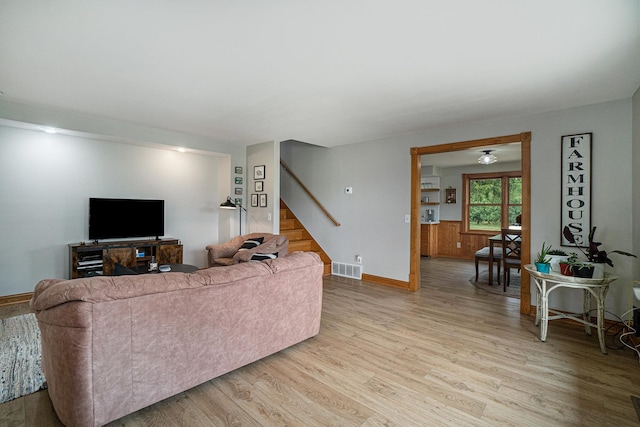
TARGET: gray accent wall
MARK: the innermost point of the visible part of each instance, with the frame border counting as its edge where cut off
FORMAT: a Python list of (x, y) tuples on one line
[(635, 226), (379, 171)]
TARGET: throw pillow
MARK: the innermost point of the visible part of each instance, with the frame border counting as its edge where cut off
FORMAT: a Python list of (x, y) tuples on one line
[(262, 257), (250, 244)]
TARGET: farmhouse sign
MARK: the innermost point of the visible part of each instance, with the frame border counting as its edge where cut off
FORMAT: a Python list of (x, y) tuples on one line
[(576, 187)]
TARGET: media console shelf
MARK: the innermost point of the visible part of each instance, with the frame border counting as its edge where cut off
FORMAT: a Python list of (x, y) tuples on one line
[(86, 259)]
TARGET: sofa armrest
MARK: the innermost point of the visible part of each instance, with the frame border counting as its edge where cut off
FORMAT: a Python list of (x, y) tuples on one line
[(224, 250)]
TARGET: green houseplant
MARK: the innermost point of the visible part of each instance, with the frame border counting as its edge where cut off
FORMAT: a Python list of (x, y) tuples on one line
[(566, 266), (542, 260), (557, 256), (594, 254)]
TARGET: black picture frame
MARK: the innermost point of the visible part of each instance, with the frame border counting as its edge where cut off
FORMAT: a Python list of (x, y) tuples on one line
[(238, 201), (263, 200), (238, 191), (575, 181), (258, 172), (238, 170), (238, 180), (254, 200), (258, 186)]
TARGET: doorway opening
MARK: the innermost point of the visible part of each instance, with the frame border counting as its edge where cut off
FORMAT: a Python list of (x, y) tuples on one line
[(416, 166)]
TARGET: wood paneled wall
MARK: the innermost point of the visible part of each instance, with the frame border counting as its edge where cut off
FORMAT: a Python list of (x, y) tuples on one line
[(449, 235)]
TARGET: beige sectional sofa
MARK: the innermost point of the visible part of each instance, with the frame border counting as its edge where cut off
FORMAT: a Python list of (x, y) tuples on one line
[(114, 345)]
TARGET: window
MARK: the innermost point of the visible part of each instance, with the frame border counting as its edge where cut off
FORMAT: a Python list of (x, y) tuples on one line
[(492, 200)]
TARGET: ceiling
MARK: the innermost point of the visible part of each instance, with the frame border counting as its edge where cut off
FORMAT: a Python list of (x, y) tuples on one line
[(327, 72), (505, 153)]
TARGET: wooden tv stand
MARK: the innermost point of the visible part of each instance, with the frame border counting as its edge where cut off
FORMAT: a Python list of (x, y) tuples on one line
[(86, 259)]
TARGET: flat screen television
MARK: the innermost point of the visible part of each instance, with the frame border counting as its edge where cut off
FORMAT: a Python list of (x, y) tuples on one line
[(122, 218)]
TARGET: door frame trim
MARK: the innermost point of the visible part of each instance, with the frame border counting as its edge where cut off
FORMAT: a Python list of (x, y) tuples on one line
[(525, 158)]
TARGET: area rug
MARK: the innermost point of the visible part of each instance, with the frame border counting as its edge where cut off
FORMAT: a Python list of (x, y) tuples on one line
[(20, 357), (513, 290)]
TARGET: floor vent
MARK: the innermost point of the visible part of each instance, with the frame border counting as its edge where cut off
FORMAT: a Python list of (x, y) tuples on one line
[(346, 270)]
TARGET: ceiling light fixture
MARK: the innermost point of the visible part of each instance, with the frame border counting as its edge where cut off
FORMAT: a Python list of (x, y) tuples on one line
[(487, 158), (51, 130)]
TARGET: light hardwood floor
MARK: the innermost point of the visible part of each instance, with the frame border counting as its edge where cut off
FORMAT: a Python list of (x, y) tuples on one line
[(447, 355)]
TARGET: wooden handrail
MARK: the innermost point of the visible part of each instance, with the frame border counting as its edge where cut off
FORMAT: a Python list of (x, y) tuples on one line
[(322, 208)]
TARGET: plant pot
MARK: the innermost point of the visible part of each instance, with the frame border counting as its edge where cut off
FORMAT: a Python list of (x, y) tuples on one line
[(585, 271), (566, 269), (598, 270), (543, 267), (556, 260)]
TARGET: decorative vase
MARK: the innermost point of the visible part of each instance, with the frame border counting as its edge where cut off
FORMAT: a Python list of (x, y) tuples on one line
[(543, 267), (565, 269)]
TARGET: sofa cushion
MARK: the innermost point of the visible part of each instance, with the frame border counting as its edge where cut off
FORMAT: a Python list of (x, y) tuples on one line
[(262, 257)]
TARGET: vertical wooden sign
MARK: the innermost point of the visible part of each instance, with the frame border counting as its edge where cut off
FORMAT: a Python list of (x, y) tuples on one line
[(576, 187)]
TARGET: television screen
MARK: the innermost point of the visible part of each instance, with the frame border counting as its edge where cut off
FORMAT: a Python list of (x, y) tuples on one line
[(121, 218)]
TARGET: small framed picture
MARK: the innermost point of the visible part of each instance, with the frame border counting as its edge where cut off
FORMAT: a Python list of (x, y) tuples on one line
[(254, 200), (258, 186), (450, 195), (258, 172), (263, 200), (238, 202), (238, 191), (239, 170), (238, 180)]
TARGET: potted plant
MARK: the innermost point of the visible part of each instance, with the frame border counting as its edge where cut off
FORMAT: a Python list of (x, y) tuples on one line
[(556, 256), (593, 254), (542, 260), (583, 269), (566, 266)]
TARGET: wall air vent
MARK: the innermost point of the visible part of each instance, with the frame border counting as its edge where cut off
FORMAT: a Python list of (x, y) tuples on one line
[(353, 271)]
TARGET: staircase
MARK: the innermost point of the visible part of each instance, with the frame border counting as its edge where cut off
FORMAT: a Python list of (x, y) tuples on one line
[(299, 237)]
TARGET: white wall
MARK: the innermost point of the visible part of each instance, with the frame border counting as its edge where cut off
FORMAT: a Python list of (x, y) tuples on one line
[(264, 219), (636, 180), (46, 181), (379, 171)]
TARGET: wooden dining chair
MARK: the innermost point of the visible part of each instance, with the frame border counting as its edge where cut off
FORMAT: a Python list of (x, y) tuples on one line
[(511, 248), (483, 255)]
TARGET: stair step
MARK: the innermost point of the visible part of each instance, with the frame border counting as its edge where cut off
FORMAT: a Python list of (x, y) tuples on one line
[(287, 224), (295, 234), (299, 238), (286, 214), (300, 245)]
